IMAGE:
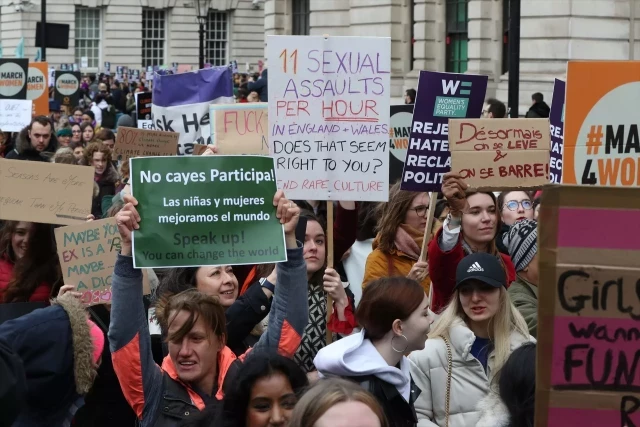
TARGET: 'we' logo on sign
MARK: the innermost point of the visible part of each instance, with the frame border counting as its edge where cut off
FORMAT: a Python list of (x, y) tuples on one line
[(450, 87)]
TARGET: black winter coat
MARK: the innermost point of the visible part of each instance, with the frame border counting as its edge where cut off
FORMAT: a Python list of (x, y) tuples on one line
[(399, 413), (248, 310)]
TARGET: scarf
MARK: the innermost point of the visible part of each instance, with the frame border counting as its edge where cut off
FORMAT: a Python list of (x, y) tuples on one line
[(409, 241)]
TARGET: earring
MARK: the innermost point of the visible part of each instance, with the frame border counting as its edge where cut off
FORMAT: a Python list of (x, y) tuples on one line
[(405, 346)]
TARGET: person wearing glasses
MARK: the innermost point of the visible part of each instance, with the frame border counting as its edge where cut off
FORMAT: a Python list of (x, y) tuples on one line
[(76, 132), (514, 206), (76, 116), (397, 246)]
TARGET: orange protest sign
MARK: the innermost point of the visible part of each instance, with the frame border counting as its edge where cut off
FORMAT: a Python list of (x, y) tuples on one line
[(38, 87), (601, 140), (500, 154)]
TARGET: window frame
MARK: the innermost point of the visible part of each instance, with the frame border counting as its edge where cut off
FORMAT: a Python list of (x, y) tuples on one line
[(156, 15), (457, 32), (209, 58), (93, 62), (301, 17)]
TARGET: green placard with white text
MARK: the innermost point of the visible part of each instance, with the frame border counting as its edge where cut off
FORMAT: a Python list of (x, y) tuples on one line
[(209, 210)]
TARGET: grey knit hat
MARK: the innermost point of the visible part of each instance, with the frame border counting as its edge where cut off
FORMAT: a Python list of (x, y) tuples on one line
[(522, 242)]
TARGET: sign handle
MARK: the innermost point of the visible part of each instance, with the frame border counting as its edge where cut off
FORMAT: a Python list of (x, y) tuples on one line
[(433, 199), (329, 247)]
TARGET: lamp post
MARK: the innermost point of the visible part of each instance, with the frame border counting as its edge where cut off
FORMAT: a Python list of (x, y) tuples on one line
[(202, 10)]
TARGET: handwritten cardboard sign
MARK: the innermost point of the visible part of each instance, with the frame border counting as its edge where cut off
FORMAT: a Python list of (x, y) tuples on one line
[(45, 192), (131, 142), (88, 254), (15, 114), (497, 154), (589, 308), (329, 116), (240, 128)]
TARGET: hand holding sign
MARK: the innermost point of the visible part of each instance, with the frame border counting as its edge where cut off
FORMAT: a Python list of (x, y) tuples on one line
[(288, 213), (454, 190)]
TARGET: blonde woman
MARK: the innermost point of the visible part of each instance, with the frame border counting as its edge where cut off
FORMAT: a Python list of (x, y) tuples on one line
[(397, 246), (337, 402), (468, 345)]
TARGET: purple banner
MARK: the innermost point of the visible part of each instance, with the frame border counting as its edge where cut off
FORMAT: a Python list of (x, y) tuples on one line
[(556, 122), (440, 96)]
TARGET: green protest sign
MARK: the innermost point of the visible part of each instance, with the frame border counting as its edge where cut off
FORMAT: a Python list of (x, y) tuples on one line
[(212, 210)]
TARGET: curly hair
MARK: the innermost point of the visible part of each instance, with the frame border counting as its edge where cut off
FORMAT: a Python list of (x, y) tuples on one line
[(96, 147)]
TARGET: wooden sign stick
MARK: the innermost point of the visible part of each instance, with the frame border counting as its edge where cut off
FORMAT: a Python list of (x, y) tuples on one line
[(329, 247), (433, 200)]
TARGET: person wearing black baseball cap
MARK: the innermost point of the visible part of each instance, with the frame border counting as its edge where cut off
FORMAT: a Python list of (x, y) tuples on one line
[(468, 344)]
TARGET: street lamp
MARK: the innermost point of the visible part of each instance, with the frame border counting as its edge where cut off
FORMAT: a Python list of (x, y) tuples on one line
[(202, 11)]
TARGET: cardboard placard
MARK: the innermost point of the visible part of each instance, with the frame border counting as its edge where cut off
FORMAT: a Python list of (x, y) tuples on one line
[(440, 96), (45, 192), (602, 143), (15, 114), (88, 254), (589, 308), (38, 87), (499, 154), (556, 123), (131, 142), (240, 128), (329, 116), (13, 78), (198, 149)]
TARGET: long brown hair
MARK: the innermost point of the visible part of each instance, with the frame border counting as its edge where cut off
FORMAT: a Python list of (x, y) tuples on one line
[(39, 265), (391, 215)]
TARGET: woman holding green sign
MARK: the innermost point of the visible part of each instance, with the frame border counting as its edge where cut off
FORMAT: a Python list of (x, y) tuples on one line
[(199, 364)]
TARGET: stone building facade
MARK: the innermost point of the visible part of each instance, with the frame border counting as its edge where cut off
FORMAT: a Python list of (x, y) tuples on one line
[(446, 35)]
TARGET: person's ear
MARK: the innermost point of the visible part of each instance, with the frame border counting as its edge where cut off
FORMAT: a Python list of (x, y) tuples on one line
[(396, 327)]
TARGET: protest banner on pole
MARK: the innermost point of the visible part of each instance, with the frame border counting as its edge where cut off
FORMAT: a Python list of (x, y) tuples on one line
[(587, 354), (181, 103), (87, 254), (143, 105), (13, 78), (213, 210), (498, 154), (440, 96), (601, 124), (132, 142), (240, 128), (45, 192), (399, 134), (67, 88), (15, 114), (329, 116), (38, 88), (556, 123)]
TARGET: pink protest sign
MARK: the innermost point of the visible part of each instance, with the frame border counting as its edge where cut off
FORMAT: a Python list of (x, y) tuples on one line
[(588, 364)]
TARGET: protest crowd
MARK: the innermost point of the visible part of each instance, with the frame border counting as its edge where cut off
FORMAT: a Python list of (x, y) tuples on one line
[(417, 309)]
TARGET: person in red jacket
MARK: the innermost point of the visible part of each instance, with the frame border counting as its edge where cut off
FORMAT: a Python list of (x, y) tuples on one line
[(28, 262), (471, 226)]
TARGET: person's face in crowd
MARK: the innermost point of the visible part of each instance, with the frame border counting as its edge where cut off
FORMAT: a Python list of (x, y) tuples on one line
[(40, 136), (78, 153), (102, 88), (86, 118), (271, 402), (485, 112), (536, 212), (348, 414), (77, 116), (195, 356), (517, 206), (479, 301), (87, 134), (531, 272), (64, 140), (55, 115), (20, 238), (99, 162), (407, 99), (416, 215), (109, 143), (479, 222), (314, 251), (417, 326), (218, 281), (76, 133)]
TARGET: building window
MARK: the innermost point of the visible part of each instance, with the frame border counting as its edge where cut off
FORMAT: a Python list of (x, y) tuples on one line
[(87, 35), (300, 13), (457, 35), (217, 38), (153, 37)]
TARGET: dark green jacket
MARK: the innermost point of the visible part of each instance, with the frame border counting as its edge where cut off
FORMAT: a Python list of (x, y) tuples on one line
[(524, 296)]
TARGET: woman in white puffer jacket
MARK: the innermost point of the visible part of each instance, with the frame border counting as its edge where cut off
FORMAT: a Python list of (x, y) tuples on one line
[(472, 339)]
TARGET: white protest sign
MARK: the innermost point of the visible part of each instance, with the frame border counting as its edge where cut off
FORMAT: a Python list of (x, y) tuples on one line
[(15, 114), (329, 116)]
